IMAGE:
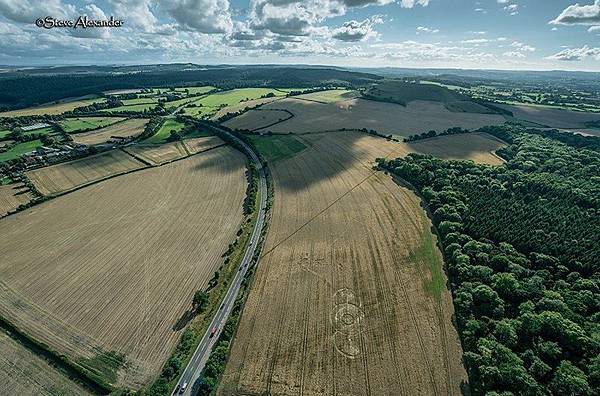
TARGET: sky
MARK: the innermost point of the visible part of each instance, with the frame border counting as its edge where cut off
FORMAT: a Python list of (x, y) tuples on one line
[(468, 34)]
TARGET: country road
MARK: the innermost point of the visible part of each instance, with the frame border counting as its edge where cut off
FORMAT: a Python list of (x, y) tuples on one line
[(196, 364)]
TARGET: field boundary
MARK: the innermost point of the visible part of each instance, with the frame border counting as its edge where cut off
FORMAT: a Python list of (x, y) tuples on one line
[(273, 123), (63, 364)]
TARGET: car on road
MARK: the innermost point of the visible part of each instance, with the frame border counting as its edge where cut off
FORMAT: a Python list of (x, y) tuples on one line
[(212, 333), (183, 388)]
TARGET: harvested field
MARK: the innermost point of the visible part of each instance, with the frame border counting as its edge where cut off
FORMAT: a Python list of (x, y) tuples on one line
[(11, 196), (478, 147), (53, 109), (113, 267), (197, 145), (66, 176), (157, 154), (349, 297), (555, 118), (123, 129), (24, 373), (257, 119), (385, 118)]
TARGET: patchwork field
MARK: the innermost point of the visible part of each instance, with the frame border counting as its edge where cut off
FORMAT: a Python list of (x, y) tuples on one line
[(124, 129), (71, 125), (478, 147), (349, 297), (555, 118), (113, 267), (53, 109), (386, 118), (24, 373), (66, 176), (158, 154), (211, 104), (11, 196)]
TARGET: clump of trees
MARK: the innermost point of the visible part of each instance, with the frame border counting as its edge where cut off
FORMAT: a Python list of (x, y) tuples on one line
[(522, 249), (200, 301), (433, 133)]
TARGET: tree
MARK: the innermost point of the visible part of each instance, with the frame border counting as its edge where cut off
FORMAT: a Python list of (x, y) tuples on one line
[(569, 380), (200, 300)]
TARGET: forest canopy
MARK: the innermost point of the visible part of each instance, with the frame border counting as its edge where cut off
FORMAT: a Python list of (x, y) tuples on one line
[(522, 249)]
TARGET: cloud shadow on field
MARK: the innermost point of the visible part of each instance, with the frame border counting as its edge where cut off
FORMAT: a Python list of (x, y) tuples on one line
[(216, 161), (326, 156)]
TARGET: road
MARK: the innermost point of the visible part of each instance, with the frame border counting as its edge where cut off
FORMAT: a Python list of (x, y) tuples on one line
[(196, 364)]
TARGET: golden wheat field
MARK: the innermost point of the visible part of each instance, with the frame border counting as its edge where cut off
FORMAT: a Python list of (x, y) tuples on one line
[(122, 129), (24, 373), (113, 266), (385, 118), (73, 174), (349, 297), (11, 196)]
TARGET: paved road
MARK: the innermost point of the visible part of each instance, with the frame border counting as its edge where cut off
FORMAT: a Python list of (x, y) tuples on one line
[(198, 360)]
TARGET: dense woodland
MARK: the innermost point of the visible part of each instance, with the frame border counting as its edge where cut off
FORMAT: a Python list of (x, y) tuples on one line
[(522, 249), (23, 90)]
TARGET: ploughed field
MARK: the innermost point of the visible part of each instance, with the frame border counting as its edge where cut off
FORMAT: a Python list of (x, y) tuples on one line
[(349, 297), (386, 118), (113, 267)]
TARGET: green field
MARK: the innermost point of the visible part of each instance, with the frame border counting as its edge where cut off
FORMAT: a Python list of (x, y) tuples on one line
[(18, 149), (180, 102), (41, 131), (195, 90), (212, 103), (277, 147), (71, 125), (4, 134), (139, 101), (134, 108), (330, 96), (165, 131)]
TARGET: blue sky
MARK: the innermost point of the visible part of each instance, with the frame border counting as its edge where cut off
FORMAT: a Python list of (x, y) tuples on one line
[(499, 34)]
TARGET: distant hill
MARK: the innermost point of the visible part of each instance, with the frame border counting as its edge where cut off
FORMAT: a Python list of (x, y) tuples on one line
[(401, 92), (34, 86)]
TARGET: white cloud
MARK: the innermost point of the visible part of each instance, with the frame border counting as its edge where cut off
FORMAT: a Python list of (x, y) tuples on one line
[(576, 54), (579, 15), (522, 47), (425, 29), (514, 54), (412, 3), (594, 29), (204, 16), (27, 11), (357, 31)]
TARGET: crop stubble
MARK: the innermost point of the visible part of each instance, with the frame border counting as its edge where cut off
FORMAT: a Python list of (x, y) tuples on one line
[(112, 267), (339, 303)]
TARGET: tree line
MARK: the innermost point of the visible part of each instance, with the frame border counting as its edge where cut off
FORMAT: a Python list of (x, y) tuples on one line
[(522, 249)]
